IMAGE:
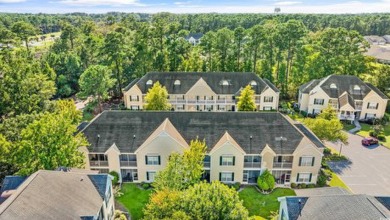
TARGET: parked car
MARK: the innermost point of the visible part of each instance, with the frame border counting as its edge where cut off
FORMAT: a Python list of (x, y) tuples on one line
[(369, 141)]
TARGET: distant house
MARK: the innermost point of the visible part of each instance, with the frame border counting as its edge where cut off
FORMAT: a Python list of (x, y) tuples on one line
[(333, 205), (203, 91), (57, 195), (387, 38), (194, 38), (380, 52), (349, 95), (375, 40), (240, 145)]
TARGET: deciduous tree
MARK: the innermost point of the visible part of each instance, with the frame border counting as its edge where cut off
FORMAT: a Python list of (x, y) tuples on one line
[(266, 181), (246, 101), (157, 98)]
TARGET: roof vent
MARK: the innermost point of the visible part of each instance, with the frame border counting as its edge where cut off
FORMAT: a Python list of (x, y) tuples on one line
[(333, 86), (224, 82), (149, 82), (253, 83), (177, 82), (356, 87)]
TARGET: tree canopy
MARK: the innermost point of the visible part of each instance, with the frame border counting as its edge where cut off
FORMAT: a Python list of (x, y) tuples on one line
[(157, 98), (246, 101)]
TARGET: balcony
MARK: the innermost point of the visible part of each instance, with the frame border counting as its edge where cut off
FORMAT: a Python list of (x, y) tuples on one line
[(283, 165), (97, 163), (347, 117), (252, 164), (206, 164), (128, 163), (200, 102)]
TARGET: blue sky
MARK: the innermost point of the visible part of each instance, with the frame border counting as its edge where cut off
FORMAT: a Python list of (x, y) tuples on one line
[(195, 6)]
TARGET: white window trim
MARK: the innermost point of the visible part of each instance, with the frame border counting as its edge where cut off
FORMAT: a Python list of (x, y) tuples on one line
[(308, 162), (227, 163), (226, 179), (300, 178)]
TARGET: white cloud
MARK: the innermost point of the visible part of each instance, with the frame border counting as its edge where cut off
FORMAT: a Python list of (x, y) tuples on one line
[(11, 1), (286, 3), (182, 3), (100, 2)]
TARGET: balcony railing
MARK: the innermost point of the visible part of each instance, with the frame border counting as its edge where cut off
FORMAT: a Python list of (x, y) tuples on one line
[(98, 163), (347, 117), (283, 165), (252, 164), (206, 164), (128, 163)]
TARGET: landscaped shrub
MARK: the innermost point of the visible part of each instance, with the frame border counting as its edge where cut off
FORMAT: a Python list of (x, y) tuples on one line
[(266, 181), (312, 185), (321, 180), (327, 151), (293, 185), (299, 186), (373, 133), (236, 186), (303, 185), (324, 165), (145, 185), (116, 177), (381, 138)]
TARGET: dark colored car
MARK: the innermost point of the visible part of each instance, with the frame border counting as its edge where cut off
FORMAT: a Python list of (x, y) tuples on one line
[(369, 141)]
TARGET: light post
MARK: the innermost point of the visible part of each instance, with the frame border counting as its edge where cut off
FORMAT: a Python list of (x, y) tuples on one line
[(281, 139), (341, 147), (250, 144)]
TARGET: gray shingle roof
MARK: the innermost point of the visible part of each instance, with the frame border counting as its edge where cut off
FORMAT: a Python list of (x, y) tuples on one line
[(341, 207), (119, 127), (12, 182), (307, 87), (213, 79), (100, 183), (380, 93), (53, 195), (345, 83), (322, 191), (309, 134), (196, 36)]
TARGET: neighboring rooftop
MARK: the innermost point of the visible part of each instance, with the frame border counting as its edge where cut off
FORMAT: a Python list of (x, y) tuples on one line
[(374, 39), (336, 85), (53, 195), (196, 36), (120, 127), (219, 82), (322, 191), (346, 207), (379, 52)]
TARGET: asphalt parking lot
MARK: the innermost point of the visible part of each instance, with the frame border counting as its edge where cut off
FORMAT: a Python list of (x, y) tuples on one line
[(368, 171)]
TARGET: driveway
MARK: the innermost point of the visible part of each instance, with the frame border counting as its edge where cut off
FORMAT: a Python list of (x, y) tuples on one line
[(368, 171)]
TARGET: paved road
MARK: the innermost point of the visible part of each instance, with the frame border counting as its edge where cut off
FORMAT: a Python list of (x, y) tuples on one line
[(369, 169)]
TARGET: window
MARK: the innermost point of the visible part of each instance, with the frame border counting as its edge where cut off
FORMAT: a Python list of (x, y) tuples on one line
[(304, 177), (224, 82), (372, 105), (129, 175), (333, 86), (226, 177), (268, 98), (177, 83), (150, 175), (318, 101), (227, 160), (356, 87), (180, 107), (368, 116), (129, 160), (134, 98), (153, 160), (108, 196), (267, 108), (252, 161), (101, 170), (206, 161), (134, 107), (253, 83), (149, 82), (306, 161), (98, 160)]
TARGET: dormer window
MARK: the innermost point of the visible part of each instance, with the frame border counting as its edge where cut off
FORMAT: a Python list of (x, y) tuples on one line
[(149, 82), (224, 82), (177, 83), (356, 87), (253, 83), (333, 86)]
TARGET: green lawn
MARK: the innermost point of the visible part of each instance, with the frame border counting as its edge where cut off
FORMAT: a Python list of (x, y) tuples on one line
[(134, 199), (336, 181), (366, 129), (262, 205)]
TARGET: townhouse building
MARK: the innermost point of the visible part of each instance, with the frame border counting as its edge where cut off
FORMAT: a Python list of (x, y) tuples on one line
[(349, 95), (74, 194), (209, 91), (240, 146)]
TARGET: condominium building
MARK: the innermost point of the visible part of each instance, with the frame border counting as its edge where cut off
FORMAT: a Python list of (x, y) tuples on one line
[(210, 91), (349, 95), (240, 146)]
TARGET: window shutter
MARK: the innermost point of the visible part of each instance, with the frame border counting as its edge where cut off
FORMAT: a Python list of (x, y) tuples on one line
[(310, 177), (377, 104), (368, 104), (312, 161), (234, 160), (365, 116), (232, 177), (220, 160), (146, 160), (297, 177), (147, 176), (300, 161), (159, 160), (220, 176)]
